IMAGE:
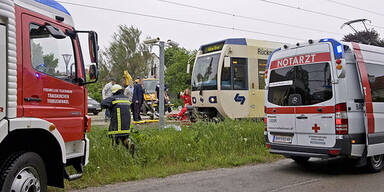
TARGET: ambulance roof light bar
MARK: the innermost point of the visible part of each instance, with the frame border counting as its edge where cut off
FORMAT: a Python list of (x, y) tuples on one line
[(338, 48)]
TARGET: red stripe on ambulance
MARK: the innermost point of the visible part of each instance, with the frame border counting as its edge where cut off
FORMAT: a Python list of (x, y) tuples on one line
[(301, 110), (366, 88), (301, 59)]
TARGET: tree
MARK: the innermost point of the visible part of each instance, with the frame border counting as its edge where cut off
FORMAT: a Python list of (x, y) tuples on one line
[(124, 53), (369, 37), (176, 76), (127, 53)]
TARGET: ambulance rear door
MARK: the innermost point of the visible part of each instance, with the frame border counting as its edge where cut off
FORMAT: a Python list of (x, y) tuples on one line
[(280, 113)]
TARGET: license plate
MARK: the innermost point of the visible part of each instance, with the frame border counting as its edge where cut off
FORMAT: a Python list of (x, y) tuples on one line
[(282, 139)]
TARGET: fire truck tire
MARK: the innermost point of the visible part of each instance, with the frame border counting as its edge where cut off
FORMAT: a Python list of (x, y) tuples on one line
[(300, 160), (23, 171), (375, 163)]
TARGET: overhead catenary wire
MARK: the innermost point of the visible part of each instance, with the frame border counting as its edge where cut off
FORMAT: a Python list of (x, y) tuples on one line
[(245, 17), (313, 12), (354, 7), (182, 21)]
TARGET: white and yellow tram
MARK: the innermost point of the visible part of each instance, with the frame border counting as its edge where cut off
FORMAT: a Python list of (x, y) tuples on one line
[(228, 78)]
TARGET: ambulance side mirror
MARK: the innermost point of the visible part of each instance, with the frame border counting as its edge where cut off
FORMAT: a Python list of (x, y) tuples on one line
[(227, 61)]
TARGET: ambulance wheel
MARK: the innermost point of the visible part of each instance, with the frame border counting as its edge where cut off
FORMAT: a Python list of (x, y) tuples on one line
[(300, 160), (23, 172), (375, 163)]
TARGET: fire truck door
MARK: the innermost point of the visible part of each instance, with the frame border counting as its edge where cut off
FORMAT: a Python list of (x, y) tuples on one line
[(50, 66)]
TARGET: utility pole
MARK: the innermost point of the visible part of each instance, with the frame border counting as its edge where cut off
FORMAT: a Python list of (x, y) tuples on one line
[(161, 91), (161, 45)]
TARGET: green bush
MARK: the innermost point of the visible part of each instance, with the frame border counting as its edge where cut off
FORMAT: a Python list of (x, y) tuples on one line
[(164, 152)]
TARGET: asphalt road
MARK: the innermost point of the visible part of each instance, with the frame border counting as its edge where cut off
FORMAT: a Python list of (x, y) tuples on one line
[(284, 175)]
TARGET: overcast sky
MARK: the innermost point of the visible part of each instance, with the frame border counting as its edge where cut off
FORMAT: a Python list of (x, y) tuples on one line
[(191, 36)]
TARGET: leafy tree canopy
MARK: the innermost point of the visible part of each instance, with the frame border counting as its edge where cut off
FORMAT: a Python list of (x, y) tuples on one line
[(176, 76), (369, 37), (124, 53)]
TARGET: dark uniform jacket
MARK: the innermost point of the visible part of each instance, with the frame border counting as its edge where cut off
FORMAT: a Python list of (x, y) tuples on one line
[(138, 94), (118, 105)]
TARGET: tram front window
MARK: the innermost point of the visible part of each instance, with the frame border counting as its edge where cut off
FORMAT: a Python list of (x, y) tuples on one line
[(204, 75)]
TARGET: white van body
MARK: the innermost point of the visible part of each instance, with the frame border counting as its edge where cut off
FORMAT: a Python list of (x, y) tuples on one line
[(325, 99)]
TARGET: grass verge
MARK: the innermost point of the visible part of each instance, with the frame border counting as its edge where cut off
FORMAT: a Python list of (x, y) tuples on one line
[(166, 152)]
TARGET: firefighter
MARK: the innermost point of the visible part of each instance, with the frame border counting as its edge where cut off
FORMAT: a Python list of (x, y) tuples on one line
[(119, 128)]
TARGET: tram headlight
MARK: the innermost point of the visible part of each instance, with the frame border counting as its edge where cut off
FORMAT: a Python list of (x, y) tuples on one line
[(194, 100), (213, 99)]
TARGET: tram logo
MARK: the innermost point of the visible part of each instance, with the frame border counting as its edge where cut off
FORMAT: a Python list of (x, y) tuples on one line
[(240, 99)]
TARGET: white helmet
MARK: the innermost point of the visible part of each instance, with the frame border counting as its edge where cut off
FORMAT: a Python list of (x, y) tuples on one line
[(115, 88)]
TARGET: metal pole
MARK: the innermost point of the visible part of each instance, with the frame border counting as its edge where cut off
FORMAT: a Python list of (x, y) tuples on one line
[(161, 91)]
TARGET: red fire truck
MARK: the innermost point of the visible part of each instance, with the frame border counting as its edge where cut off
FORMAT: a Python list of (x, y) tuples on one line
[(43, 98)]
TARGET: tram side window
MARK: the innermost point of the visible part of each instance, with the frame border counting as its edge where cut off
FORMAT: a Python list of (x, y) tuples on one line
[(226, 83), (240, 73), (262, 63), (376, 81)]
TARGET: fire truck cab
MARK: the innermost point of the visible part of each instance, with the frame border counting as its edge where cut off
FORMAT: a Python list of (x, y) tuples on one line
[(43, 98), (325, 99)]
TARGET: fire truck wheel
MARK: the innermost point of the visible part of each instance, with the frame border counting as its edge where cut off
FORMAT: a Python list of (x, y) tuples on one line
[(300, 160), (375, 163), (23, 172)]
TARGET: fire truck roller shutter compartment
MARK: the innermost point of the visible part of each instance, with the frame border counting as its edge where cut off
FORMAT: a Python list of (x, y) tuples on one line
[(3, 77)]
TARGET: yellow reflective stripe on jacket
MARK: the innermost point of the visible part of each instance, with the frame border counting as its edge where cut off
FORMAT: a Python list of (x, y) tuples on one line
[(121, 101), (119, 132), (118, 120)]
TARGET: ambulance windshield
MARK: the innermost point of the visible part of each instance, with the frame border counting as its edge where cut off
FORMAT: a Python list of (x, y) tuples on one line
[(307, 84), (205, 73)]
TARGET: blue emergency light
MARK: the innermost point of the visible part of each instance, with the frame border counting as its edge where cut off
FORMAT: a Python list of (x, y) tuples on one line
[(53, 4), (338, 48)]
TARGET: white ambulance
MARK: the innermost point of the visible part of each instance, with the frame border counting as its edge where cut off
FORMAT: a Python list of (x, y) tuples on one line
[(325, 99)]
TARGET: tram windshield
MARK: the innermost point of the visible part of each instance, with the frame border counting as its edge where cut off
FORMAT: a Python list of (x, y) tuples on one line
[(204, 75)]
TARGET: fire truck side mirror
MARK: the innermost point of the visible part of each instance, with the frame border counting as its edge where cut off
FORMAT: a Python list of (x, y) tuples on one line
[(55, 32), (93, 72), (93, 46)]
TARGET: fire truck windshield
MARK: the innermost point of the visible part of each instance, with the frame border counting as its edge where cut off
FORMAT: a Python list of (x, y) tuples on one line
[(205, 73)]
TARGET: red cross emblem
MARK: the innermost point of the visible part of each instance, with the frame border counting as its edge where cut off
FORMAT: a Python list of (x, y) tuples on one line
[(1, 109), (316, 128)]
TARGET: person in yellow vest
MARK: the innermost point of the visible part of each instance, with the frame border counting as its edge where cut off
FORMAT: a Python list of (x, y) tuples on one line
[(119, 128)]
